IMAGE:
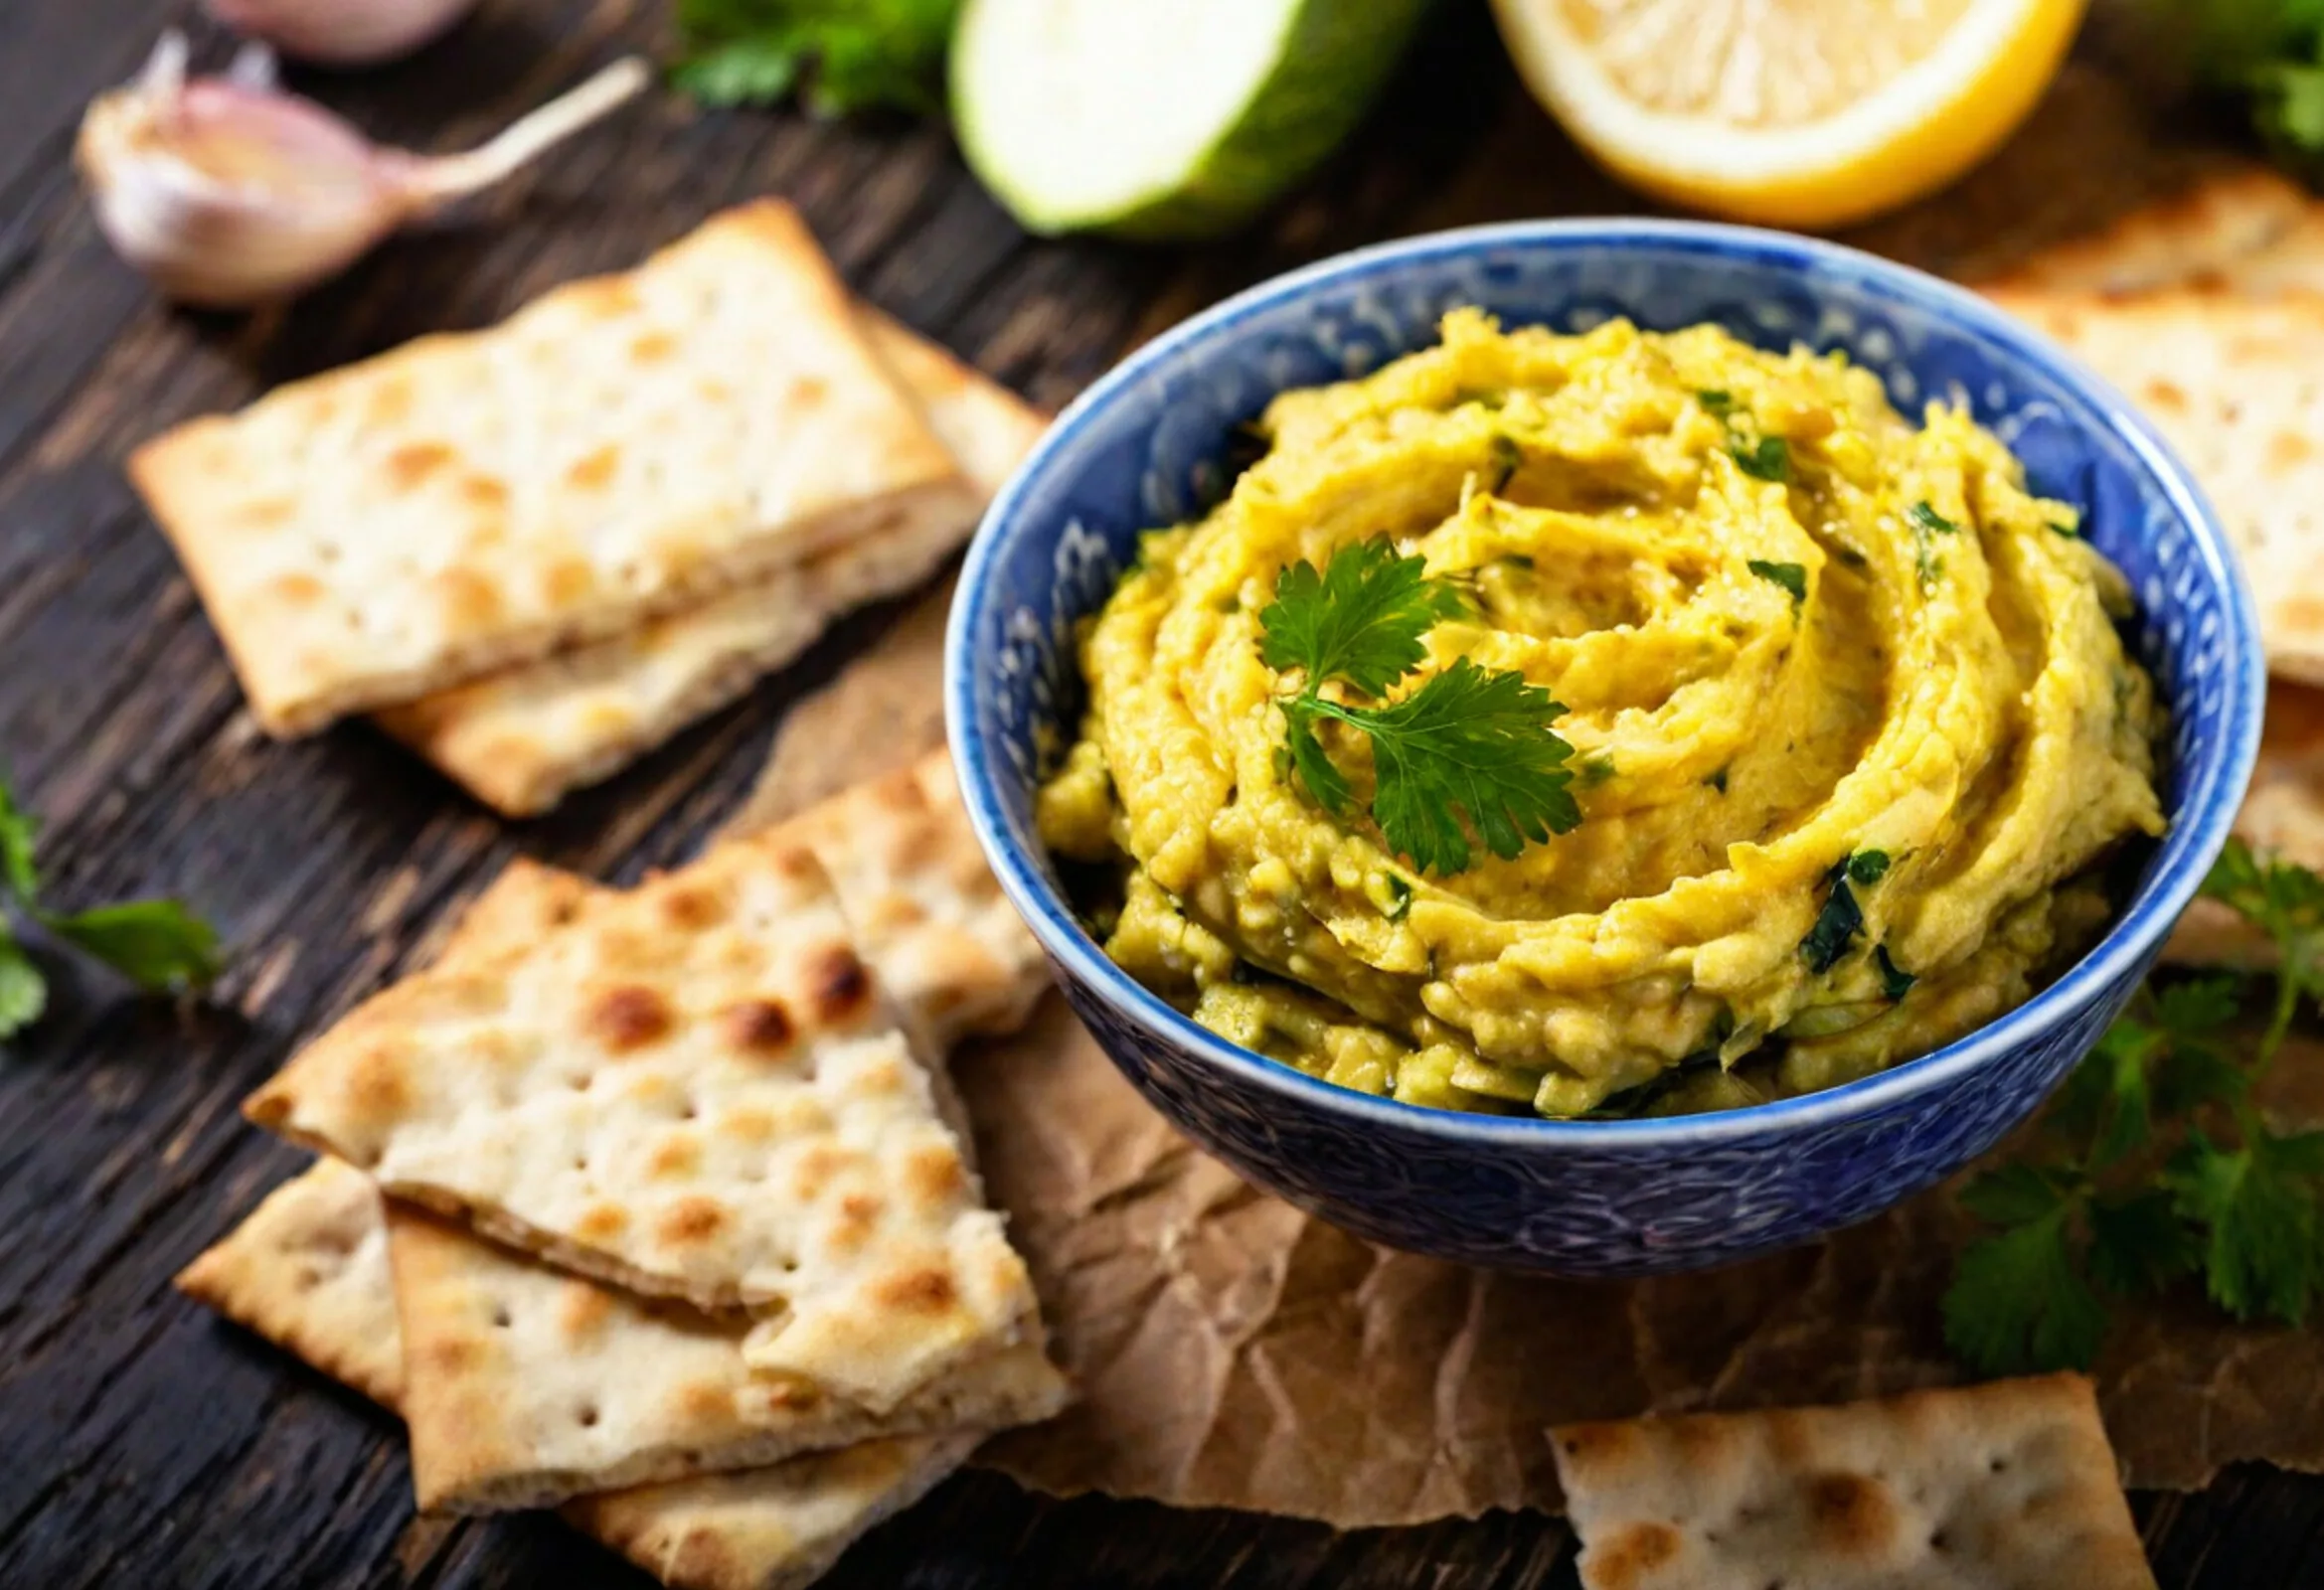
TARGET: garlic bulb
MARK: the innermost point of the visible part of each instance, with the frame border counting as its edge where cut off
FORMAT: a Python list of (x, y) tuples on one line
[(341, 33), (228, 192)]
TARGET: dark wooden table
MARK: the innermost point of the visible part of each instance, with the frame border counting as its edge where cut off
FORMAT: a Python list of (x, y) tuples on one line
[(142, 1443)]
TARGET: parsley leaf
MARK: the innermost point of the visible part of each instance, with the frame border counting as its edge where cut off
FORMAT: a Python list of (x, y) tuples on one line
[(24, 992), (18, 875), (1768, 458), (1467, 748), (1471, 744), (1842, 917), (1929, 521), (2020, 1301), (1508, 458), (1716, 401), (2139, 1244), (1791, 576), (157, 944), (1362, 620), (862, 54), (2261, 1255), (1895, 981), (1326, 784)]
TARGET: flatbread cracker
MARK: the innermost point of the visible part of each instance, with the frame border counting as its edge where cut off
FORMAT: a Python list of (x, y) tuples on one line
[(774, 1528), (2206, 233), (929, 916), (521, 739), (2282, 816), (694, 1091), (2233, 383), (2009, 1485), (623, 448), (525, 1387), (308, 1271)]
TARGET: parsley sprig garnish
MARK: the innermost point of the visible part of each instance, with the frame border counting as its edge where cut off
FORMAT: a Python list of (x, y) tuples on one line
[(1469, 750), (156, 944), (2155, 1164)]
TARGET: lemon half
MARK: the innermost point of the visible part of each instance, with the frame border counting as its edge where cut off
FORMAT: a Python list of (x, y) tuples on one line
[(1795, 112)]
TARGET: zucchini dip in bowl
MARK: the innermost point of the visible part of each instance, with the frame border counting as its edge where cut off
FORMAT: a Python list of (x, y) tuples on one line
[(1607, 724), (1604, 746)]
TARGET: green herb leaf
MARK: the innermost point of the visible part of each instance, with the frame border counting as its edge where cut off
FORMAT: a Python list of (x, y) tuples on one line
[(2012, 1195), (1768, 458), (2139, 1244), (1928, 520), (1400, 895), (2123, 1118), (157, 944), (2020, 1303), (1868, 867), (1362, 620), (1594, 771), (2261, 1253), (1836, 925), (1326, 785), (1791, 576), (1507, 459), (18, 830), (852, 54), (24, 992), (1716, 401), (1468, 744), (1895, 981)]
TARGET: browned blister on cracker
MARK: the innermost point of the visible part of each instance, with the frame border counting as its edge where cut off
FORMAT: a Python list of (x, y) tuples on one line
[(623, 448), (2009, 1485)]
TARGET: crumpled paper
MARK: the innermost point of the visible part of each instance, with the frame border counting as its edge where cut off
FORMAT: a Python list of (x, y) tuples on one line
[(1234, 1352)]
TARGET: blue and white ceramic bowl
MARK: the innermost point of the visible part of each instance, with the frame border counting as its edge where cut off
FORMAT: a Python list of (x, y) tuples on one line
[(1144, 448)]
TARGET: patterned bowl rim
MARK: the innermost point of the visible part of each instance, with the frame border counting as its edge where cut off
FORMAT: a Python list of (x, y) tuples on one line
[(2194, 839)]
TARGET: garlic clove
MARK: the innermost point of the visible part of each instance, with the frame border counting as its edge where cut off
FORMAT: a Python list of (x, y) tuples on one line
[(229, 192), (342, 32)]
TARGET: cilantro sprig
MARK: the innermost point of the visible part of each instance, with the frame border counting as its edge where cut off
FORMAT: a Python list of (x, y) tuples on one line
[(1470, 752), (846, 54), (2154, 1163), (156, 944)]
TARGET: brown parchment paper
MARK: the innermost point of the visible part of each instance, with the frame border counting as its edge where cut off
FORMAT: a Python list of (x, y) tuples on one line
[(1234, 1352)]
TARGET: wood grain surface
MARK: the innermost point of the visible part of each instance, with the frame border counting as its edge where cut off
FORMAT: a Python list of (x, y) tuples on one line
[(144, 1444)]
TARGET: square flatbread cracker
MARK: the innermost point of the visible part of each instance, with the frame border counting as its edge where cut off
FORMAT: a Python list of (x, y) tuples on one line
[(2282, 815), (2003, 1486), (2233, 384), (693, 1091), (308, 1271), (927, 913), (624, 447), (521, 739), (2235, 221), (525, 1387)]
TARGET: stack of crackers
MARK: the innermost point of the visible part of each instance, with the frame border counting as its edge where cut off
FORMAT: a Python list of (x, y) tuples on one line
[(533, 553), (2208, 311), (655, 1206)]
